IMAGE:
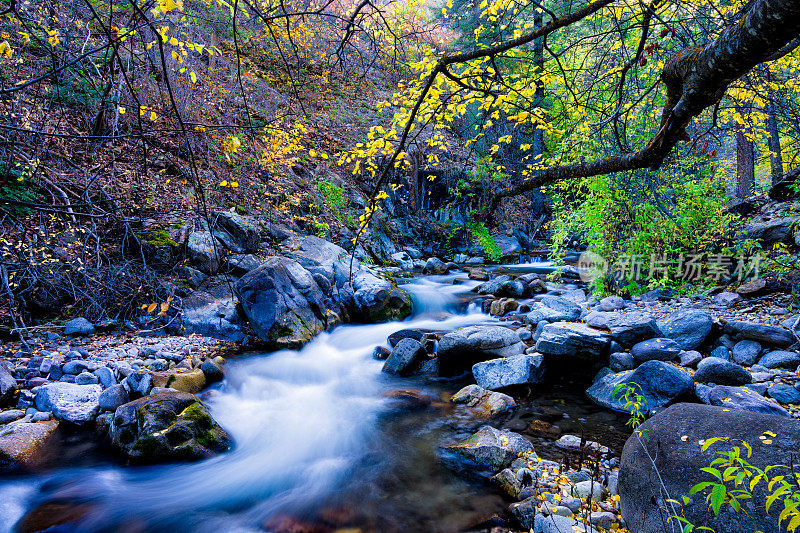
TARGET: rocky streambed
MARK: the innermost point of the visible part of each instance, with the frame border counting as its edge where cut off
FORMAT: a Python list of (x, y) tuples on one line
[(491, 409)]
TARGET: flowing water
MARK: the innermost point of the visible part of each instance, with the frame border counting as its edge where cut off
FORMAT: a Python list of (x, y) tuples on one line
[(320, 446)]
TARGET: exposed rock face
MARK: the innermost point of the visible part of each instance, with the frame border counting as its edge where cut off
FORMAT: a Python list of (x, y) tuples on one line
[(762, 333), (167, 427), (78, 404), (493, 448), (659, 383), (744, 399), (244, 231), (672, 441), (688, 327), (462, 348), (213, 313), (507, 371), (202, 251), (283, 303), (22, 446), (572, 339), (485, 402)]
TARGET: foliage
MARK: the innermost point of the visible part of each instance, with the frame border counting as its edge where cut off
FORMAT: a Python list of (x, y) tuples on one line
[(487, 242), (16, 186), (337, 201), (735, 480), (634, 402)]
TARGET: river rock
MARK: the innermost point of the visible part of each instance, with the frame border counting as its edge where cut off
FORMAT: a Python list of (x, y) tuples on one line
[(508, 244), (689, 358), (493, 448), (688, 327), (167, 427), (612, 303), (659, 383), (726, 298), (744, 399), (24, 446), (460, 349), (283, 304), (627, 328), (78, 404), (78, 327), (213, 313), (619, 361), (721, 372), (434, 265), (244, 231), (752, 288), (762, 333), (772, 231), (656, 349), (671, 455), (212, 371), (113, 397), (590, 489), (193, 381), (8, 387), (243, 263), (780, 359), (405, 357), (784, 393), (507, 371), (745, 353), (487, 403), (202, 251), (572, 339)]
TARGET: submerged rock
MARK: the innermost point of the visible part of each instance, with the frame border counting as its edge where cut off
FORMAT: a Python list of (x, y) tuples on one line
[(405, 357), (167, 427)]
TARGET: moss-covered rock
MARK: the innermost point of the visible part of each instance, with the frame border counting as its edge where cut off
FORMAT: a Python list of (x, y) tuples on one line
[(167, 427), (193, 381)]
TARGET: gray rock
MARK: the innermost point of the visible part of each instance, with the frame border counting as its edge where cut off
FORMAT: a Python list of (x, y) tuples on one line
[(661, 349), (493, 448), (784, 393), (628, 328), (507, 371), (512, 288), (721, 352), (491, 287), (194, 278), (405, 357), (671, 455), (771, 231), (762, 333), (244, 263), (106, 376), (572, 339), (8, 387), (585, 490), (461, 349), (620, 361), (202, 251), (113, 397), (434, 265), (721, 372), (86, 378), (212, 371), (744, 399), (659, 383), (27, 445), (213, 313), (11, 415), (138, 383), (564, 306), (559, 524), (745, 353), (726, 299), (690, 358), (688, 327), (244, 231), (487, 403), (75, 367), (780, 359), (78, 327), (603, 519), (612, 303), (70, 402), (508, 244)]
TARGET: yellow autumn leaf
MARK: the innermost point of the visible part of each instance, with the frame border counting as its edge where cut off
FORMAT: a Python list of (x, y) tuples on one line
[(193, 76), (223, 183), (201, 129), (121, 110), (151, 307), (6, 50), (153, 116), (234, 184)]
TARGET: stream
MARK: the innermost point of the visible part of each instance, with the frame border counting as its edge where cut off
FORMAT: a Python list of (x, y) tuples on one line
[(320, 445)]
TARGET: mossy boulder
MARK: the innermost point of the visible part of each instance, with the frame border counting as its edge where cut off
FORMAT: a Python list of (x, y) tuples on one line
[(169, 426), (193, 381)]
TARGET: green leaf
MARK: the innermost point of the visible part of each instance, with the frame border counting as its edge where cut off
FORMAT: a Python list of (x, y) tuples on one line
[(717, 498), (713, 471), (709, 442), (700, 486)]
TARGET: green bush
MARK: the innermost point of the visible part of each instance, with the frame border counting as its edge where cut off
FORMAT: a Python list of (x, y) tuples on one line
[(15, 186), (337, 201)]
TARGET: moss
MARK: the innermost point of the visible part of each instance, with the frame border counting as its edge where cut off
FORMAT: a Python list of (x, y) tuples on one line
[(158, 237), (146, 447)]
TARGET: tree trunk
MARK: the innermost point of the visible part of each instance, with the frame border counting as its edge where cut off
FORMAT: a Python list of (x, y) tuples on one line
[(774, 141), (745, 165), (537, 145)]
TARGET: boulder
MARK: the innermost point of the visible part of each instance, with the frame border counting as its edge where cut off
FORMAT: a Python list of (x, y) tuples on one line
[(434, 265), (612, 303), (784, 393), (113, 397), (752, 288), (485, 402), (8, 387), (519, 369), (23, 446), (656, 349), (745, 353), (721, 372), (726, 299), (493, 286), (78, 404), (780, 359), (405, 357), (762, 333), (460, 349), (563, 306), (627, 328), (744, 399), (283, 303), (688, 327), (690, 358), (244, 231), (772, 231), (659, 384), (192, 381), (493, 448), (508, 244), (243, 263), (78, 327), (671, 454), (212, 371), (167, 427), (202, 251), (572, 339)]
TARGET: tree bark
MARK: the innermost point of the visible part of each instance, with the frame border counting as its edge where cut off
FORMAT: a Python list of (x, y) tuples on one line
[(774, 141), (745, 164)]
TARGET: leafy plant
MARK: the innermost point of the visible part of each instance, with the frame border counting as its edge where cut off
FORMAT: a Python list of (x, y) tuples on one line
[(634, 402), (487, 242), (337, 201), (15, 186)]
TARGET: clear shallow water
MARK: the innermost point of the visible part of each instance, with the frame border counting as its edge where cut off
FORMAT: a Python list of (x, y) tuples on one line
[(318, 442)]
